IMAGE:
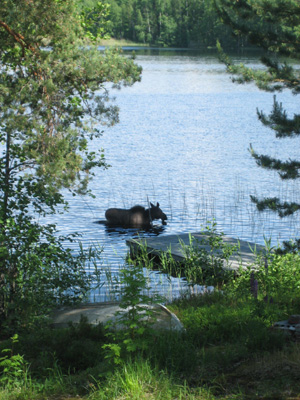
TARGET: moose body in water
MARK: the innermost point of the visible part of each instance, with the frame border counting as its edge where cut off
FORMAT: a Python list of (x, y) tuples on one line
[(135, 217)]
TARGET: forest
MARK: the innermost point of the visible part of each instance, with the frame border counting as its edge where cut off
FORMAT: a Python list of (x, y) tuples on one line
[(168, 23)]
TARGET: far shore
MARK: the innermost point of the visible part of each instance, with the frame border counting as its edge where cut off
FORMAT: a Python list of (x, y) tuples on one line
[(122, 43)]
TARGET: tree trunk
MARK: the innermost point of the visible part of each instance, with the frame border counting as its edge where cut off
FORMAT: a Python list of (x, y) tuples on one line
[(3, 271)]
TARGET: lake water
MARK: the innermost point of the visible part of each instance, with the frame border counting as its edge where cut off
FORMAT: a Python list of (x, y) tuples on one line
[(183, 141)]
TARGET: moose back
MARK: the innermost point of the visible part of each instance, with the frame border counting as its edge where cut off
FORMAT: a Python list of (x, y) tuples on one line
[(135, 217)]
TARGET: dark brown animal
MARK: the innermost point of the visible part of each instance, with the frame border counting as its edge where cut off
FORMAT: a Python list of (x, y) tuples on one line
[(135, 217)]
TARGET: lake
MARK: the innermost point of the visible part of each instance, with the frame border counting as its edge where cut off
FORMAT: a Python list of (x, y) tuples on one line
[(183, 141)]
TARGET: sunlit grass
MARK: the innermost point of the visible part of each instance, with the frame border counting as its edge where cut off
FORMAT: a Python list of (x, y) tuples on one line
[(121, 43), (138, 381)]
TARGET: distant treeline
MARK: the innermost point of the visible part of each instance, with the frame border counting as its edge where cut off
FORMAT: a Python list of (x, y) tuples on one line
[(175, 23)]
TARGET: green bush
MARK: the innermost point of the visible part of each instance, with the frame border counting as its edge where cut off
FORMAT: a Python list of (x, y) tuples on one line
[(136, 316), (204, 259), (277, 282), (205, 266), (13, 367), (73, 349)]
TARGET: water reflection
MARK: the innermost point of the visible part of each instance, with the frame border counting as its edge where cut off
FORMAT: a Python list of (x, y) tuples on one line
[(155, 230), (114, 230)]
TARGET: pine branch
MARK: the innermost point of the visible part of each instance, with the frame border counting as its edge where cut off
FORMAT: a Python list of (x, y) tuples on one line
[(279, 121), (283, 209), (286, 169)]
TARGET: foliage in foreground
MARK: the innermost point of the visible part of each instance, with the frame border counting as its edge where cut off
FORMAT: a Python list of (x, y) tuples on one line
[(228, 350), (54, 97), (221, 355), (136, 315)]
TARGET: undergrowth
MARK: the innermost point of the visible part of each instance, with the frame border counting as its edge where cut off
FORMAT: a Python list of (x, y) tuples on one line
[(228, 349)]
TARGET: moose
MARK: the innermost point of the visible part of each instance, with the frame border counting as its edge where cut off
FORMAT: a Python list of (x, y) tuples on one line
[(135, 217)]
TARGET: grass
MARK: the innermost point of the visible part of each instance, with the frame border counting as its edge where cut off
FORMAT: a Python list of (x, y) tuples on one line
[(136, 380), (239, 350), (121, 42), (227, 351), (139, 380)]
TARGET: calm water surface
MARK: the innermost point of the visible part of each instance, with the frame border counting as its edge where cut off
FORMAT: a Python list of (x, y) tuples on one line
[(183, 141)]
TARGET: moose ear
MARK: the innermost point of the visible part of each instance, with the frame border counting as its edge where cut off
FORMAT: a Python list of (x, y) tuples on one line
[(152, 205), (157, 205)]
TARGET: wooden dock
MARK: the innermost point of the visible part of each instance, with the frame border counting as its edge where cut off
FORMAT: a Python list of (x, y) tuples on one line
[(173, 245)]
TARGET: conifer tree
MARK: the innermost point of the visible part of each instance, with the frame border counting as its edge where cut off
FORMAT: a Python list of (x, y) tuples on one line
[(274, 26)]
